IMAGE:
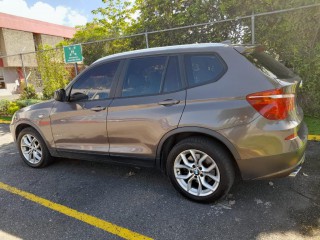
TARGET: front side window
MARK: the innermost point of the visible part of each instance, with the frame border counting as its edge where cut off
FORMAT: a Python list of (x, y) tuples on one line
[(95, 84), (144, 76), (202, 69)]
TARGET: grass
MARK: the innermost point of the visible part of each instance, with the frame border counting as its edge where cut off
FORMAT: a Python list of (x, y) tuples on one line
[(313, 125), (5, 119)]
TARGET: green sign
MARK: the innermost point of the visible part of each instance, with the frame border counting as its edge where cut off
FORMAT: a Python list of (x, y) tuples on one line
[(73, 53)]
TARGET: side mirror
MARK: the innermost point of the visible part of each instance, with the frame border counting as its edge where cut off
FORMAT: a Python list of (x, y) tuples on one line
[(60, 95)]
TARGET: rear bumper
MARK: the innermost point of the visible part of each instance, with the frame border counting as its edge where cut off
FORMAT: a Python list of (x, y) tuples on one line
[(291, 171), (284, 164)]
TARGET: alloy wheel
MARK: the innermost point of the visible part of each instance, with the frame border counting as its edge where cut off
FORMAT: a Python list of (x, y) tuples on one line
[(31, 148), (196, 172)]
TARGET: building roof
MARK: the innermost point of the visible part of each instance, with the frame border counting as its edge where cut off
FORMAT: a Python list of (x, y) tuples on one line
[(35, 26)]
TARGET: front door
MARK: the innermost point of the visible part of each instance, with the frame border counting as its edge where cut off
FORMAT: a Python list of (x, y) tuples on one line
[(80, 124)]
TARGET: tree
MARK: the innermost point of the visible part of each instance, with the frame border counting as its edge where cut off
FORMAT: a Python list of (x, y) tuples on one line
[(52, 70), (292, 37), (112, 21)]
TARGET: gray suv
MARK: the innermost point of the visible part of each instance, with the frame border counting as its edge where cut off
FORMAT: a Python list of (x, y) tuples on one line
[(203, 113)]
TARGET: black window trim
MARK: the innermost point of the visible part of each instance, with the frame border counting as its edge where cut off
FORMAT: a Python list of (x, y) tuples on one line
[(118, 90), (164, 74), (113, 84), (217, 78)]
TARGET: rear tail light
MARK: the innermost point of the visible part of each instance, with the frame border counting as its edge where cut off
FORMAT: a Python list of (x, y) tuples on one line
[(272, 104)]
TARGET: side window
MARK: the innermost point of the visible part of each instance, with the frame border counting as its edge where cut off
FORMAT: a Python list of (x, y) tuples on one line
[(95, 83), (172, 81), (203, 69), (144, 76)]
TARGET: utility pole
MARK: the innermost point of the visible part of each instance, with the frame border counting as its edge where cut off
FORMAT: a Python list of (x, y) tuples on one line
[(24, 70)]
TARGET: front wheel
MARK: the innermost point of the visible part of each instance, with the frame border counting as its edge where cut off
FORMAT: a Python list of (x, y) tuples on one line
[(33, 149), (200, 169)]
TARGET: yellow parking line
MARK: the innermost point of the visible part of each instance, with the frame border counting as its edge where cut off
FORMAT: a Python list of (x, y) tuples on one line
[(96, 222), (314, 137), (5, 121)]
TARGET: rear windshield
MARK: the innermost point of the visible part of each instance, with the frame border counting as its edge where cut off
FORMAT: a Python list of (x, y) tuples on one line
[(269, 66)]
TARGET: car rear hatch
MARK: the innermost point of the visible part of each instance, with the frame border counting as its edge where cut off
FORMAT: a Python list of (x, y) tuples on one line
[(282, 102)]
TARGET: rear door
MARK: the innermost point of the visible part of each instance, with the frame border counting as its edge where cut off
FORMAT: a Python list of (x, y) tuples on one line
[(149, 103)]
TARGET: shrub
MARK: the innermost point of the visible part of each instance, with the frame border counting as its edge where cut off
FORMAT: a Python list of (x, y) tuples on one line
[(29, 92), (13, 107), (27, 102), (52, 69), (8, 108), (4, 105)]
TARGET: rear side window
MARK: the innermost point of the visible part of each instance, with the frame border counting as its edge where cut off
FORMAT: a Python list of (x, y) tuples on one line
[(203, 69), (144, 76), (269, 66)]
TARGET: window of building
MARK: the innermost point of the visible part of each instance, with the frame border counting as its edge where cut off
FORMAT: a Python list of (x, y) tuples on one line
[(2, 83)]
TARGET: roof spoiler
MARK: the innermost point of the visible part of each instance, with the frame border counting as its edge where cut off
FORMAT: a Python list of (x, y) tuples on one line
[(247, 49)]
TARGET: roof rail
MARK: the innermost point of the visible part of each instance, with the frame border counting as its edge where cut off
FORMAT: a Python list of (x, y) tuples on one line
[(228, 42)]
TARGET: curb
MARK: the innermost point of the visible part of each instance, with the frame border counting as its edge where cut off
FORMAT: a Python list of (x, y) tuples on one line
[(314, 137)]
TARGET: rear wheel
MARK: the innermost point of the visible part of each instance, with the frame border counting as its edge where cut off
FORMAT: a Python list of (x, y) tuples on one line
[(33, 149), (200, 169)]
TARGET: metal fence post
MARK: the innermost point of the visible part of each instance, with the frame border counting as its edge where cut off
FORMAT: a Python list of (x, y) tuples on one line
[(146, 37), (252, 28), (24, 70)]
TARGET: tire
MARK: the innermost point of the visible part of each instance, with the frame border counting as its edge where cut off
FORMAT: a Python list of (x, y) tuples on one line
[(207, 179), (33, 149)]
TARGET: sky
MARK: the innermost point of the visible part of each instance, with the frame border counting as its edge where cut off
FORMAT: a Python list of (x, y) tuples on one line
[(63, 12)]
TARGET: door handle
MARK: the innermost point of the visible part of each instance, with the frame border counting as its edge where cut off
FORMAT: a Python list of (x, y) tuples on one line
[(97, 108), (169, 102)]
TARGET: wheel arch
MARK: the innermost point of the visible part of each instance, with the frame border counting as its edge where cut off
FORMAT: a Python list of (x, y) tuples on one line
[(26, 124), (174, 136)]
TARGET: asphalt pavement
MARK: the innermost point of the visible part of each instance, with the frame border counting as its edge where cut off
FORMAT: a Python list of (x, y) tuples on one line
[(143, 200)]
